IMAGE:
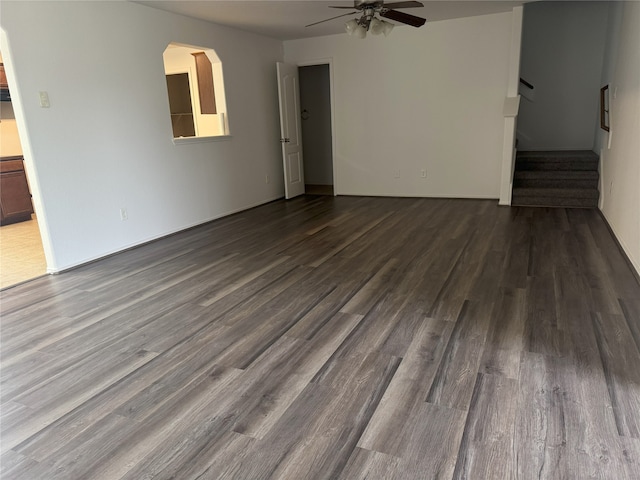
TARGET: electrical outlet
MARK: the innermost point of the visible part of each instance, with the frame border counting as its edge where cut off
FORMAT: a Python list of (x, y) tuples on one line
[(396, 173), (423, 173), (123, 214), (266, 179)]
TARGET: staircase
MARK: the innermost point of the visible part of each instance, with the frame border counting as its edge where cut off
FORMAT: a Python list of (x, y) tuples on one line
[(556, 179)]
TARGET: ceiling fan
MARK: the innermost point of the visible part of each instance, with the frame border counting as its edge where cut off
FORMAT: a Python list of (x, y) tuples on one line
[(368, 20)]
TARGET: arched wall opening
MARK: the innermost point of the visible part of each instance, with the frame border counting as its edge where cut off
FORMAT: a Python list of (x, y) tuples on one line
[(195, 86)]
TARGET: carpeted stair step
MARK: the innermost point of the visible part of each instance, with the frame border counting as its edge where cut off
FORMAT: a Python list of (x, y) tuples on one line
[(555, 179), (523, 201), (565, 160), (556, 197), (557, 192)]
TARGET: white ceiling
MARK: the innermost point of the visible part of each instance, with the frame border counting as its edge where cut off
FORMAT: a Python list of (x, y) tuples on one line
[(286, 20)]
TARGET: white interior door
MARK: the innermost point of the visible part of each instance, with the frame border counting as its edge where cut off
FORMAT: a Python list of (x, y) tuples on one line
[(290, 129)]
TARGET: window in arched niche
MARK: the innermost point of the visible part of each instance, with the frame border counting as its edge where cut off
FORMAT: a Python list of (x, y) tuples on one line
[(195, 86)]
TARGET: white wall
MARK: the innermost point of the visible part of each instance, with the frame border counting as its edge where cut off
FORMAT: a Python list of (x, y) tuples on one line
[(614, 24), (106, 142), (620, 164), (562, 56), (315, 97), (421, 98)]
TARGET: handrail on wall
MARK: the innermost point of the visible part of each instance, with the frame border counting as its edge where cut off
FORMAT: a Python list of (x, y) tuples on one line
[(510, 112), (526, 84)]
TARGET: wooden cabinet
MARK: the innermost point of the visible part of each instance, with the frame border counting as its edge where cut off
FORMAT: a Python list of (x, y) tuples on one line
[(5, 96), (3, 77), (15, 198), (204, 71)]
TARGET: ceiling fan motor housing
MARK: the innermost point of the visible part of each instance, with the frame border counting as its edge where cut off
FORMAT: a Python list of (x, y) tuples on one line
[(366, 18), (361, 4)]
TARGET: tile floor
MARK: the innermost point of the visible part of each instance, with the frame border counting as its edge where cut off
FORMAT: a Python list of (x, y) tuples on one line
[(21, 253)]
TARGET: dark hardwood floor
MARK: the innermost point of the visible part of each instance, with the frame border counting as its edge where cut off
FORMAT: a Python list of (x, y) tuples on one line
[(333, 338)]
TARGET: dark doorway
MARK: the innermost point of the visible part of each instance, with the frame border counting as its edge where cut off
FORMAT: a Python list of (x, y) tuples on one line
[(315, 107)]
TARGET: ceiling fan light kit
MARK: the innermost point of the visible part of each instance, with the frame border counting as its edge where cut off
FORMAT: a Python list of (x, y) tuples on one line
[(376, 26), (387, 27), (369, 22), (351, 26)]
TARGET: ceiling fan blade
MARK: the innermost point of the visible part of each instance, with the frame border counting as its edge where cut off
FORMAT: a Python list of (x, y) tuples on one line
[(332, 18), (403, 5), (350, 8), (403, 18)]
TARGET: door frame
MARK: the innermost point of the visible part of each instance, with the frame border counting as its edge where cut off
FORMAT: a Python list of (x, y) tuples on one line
[(27, 155), (328, 61)]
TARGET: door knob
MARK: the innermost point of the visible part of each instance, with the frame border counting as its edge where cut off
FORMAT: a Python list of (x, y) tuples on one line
[(284, 140)]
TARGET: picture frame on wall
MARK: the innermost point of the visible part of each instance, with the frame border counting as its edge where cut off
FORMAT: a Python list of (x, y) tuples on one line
[(604, 108)]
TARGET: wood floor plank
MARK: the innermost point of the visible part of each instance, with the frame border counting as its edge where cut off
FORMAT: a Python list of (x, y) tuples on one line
[(460, 280), (574, 310), (630, 454), (34, 292), (272, 387), (595, 269), (269, 325), (344, 428), (593, 438), (630, 308), (616, 265), (516, 262), (81, 346), (48, 405), (246, 278), (456, 375), (505, 339), (541, 432), (489, 433), (190, 417), (550, 244), (79, 457), (489, 274), (123, 398), (370, 293), (271, 295), (386, 432), (314, 321), (214, 459), (237, 294), (13, 464), (438, 431), (439, 263), (365, 464), (35, 313), (619, 355), (317, 442), (588, 410), (542, 332), (82, 339)]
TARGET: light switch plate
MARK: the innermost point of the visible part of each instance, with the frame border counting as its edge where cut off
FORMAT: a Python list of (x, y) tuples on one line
[(44, 100)]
